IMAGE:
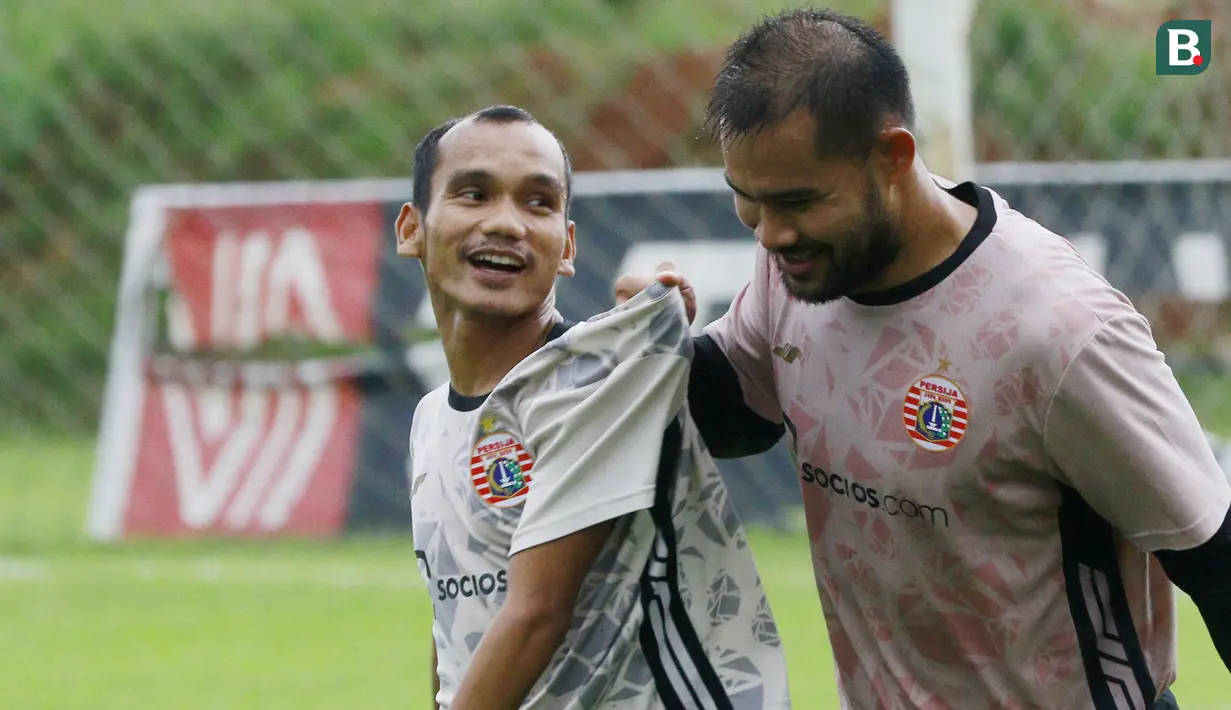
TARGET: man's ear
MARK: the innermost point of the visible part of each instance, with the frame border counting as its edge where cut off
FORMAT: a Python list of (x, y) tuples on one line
[(895, 153), (409, 230), (566, 267)]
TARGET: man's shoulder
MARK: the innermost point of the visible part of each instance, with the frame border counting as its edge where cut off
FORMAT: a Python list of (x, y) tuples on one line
[(428, 409), (433, 401), (652, 321), (1028, 259)]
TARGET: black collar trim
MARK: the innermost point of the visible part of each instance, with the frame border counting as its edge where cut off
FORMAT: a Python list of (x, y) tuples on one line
[(468, 403), (970, 193)]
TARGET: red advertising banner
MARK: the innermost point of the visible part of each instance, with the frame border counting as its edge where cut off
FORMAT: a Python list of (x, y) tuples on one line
[(249, 274), (244, 460), (233, 456)]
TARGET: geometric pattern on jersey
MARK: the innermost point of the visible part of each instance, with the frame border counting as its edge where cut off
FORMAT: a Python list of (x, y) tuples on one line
[(673, 613), (985, 540)]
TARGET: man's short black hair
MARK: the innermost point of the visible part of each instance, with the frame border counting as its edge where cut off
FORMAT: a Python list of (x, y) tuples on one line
[(427, 153), (839, 69)]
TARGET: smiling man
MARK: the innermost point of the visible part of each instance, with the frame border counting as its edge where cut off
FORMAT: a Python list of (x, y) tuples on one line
[(1001, 476), (576, 538)]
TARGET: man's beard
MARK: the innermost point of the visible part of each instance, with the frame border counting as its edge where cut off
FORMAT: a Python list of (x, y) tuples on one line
[(866, 251)]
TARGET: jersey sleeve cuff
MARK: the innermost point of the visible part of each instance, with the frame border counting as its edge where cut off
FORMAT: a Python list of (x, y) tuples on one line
[(1190, 536), (554, 529)]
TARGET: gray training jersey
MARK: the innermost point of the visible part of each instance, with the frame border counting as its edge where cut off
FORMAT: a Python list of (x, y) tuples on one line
[(593, 427)]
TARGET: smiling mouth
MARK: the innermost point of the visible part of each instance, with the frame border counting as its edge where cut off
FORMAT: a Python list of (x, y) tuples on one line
[(500, 263), (798, 263)]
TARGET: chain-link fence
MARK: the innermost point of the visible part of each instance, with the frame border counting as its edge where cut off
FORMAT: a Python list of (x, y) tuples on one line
[(99, 99)]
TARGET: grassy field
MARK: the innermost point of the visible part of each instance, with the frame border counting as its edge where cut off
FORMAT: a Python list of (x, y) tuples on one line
[(323, 626), (345, 624)]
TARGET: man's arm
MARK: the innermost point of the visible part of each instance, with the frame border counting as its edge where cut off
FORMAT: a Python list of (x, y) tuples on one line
[(717, 399), (727, 424), (544, 582), (732, 392), (1123, 435), (1204, 573)]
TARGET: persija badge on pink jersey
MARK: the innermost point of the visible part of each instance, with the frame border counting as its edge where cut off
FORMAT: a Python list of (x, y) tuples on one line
[(935, 412), (500, 467)]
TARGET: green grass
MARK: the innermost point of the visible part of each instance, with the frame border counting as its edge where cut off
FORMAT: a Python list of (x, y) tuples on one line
[(306, 625), (275, 627), (320, 626), (44, 490)]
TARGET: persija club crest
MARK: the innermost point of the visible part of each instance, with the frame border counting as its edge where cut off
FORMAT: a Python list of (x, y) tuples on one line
[(935, 413), (500, 467)]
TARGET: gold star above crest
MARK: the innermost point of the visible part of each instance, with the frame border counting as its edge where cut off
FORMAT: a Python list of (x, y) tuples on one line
[(488, 423), (945, 364)]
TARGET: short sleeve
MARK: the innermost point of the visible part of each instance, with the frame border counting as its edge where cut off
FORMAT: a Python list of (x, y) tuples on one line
[(1121, 432), (598, 458), (742, 334), (595, 420)]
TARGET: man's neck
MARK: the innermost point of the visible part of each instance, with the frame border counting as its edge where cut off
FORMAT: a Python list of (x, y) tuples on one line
[(937, 223), (481, 351)]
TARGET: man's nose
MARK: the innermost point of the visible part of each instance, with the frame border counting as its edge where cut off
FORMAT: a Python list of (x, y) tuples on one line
[(775, 233), (504, 219)]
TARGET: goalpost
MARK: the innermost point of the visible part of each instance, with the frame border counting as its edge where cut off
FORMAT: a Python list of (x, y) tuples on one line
[(933, 39)]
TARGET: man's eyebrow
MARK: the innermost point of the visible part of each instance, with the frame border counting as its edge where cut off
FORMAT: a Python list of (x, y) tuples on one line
[(735, 189), (793, 194), (485, 178), (463, 177), (549, 181)]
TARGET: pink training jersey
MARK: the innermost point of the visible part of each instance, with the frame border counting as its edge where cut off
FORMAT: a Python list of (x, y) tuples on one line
[(988, 455)]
